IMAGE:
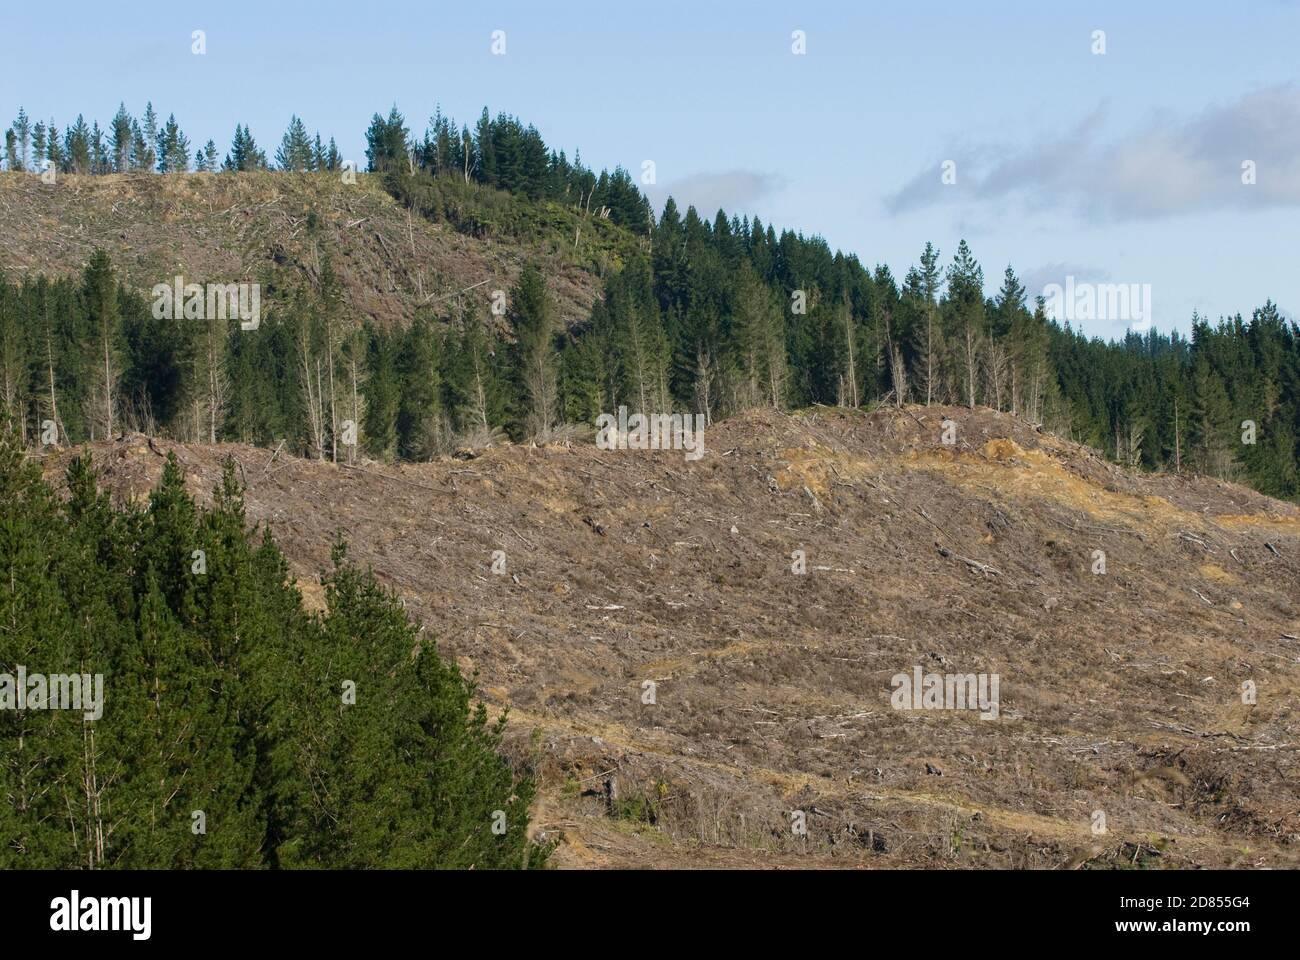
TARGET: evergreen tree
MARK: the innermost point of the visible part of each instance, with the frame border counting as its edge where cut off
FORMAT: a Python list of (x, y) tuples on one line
[(225, 707), (532, 319), (22, 129), (965, 308), (581, 380), (472, 380), (640, 345), (77, 148), (141, 152), (485, 150), (244, 153), (100, 162), (16, 364), (40, 148), (104, 345), (382, 398), (1210, 427), (386, 143), (295, 154), (210, 156), (147, 158), (54, 152), (173, 148), (121, 137), (756, 345), (418, 414)]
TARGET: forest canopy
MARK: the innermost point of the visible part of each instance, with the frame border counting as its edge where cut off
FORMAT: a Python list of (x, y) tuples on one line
[(710, 315), (225, 704)]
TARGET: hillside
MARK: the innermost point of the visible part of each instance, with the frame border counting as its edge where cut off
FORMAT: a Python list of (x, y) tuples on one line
[(1120, 692), (717, 316), (233, 226)]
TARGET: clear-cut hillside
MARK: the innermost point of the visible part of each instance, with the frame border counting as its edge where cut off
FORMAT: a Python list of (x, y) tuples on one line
[(244, 226), (1120, 692)]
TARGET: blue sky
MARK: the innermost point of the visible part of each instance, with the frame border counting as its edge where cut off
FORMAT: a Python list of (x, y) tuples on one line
[(1122, 168)]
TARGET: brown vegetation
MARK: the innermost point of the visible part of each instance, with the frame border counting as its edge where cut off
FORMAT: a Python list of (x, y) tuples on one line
[(228, 227), (1119, 692)]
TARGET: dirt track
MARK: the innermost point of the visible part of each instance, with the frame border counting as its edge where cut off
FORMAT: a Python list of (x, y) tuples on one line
[(1119, 692)]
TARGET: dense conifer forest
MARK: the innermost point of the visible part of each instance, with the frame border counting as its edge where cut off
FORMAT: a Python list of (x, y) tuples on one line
[(711, 315), (236, 730)]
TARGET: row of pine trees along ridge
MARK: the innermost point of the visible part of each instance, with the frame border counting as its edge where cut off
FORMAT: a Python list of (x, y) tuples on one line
[(709, 316), (500, 152), (719, 338)]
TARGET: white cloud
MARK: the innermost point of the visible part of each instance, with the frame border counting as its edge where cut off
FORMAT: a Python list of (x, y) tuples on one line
[(735, 191), (1165, 167)]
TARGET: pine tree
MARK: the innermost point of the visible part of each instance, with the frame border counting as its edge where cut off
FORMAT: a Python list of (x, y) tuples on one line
[(77, 148), (637, 335), (22, 129), (1033, 380), (100, 162), (382, 397), (532, 319), (1209, 427), (15, 363), (210, 390), (966, 314), (54, 149), (580, 381), (485, 150), (295, 153), (472, 381), (418, 414), (147, 159), (173, 148), (39, 628), (352, 358), (100, 292), (756, 345), (121, 136), (387, 144), (1001, 361), (39, 146), (244, 153), (140, 149)]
